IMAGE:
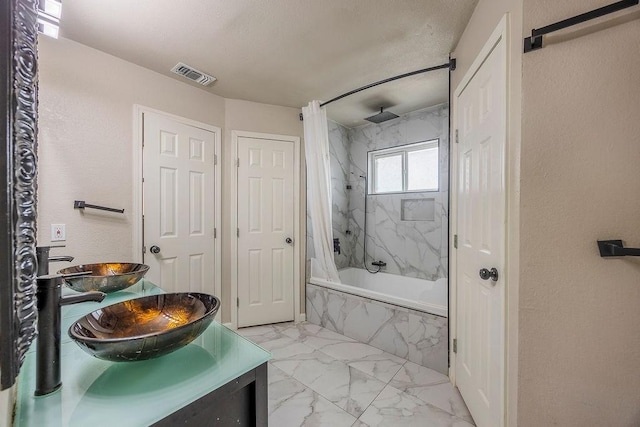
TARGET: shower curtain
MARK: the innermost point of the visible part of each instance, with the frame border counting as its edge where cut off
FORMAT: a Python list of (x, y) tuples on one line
[(316, 144)]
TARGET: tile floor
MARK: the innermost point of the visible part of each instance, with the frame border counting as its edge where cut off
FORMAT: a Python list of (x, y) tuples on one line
[(320, 378)]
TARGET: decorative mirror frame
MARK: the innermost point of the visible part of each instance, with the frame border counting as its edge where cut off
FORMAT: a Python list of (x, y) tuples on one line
[(18, 159)]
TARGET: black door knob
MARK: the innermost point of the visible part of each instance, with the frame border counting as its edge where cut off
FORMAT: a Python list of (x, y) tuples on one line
[(155, 249), (289, 240), (489, 274)]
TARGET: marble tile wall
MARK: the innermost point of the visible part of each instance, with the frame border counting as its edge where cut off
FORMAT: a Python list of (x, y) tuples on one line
[(413, 335), (410, 248)]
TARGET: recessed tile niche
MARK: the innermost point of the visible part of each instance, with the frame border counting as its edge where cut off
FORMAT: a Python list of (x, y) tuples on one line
[(417, 209)]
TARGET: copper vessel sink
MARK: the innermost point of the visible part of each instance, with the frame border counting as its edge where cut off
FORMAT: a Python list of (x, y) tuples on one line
[(105, 277), (146, 327)]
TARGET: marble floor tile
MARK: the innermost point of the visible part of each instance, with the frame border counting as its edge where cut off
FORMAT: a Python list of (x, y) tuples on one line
[(293, 404), (370, 360), (321, 378), (274, 374), (284, 348), (431, 387), (263, 333), (347, 387), (396, 408), (414, 374), (296, 363), (315, 336)]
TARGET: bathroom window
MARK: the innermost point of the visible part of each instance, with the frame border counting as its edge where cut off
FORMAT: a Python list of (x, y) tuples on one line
[(404, 169)]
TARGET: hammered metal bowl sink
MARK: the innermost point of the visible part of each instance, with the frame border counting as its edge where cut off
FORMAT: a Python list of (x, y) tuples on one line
[(105, 277), (144, 328)]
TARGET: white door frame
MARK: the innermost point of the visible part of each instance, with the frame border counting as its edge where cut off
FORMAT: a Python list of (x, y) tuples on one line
[(235, 134), (138, 229), (500, 33)]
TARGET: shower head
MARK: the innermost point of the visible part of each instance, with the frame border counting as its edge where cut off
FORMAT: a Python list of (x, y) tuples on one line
[(382, 116)]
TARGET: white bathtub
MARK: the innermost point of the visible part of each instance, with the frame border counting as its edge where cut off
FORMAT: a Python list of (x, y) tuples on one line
[(416, 294)]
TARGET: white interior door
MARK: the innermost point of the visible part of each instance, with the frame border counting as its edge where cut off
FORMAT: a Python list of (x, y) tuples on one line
[(179, 204), (481, 126), (265, 218)]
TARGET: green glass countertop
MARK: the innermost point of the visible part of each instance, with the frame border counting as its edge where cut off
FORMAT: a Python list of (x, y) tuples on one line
[(100, 393)]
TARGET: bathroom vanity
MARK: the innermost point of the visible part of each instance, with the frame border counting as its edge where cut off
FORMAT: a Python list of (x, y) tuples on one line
[(219, 379)]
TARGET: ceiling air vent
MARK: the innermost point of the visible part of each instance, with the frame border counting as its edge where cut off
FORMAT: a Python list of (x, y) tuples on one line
[(193, 74)]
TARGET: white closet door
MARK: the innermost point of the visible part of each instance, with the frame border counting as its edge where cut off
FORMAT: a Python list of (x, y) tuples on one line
[(179, 203), (265, 231), (481, 125)]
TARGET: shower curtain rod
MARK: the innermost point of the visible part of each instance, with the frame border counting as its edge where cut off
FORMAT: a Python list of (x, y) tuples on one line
[(451, 65)]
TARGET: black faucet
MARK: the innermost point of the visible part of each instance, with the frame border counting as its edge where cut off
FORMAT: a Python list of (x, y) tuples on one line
[(42, 254), (49, 300), (61, 258), (336, 246)]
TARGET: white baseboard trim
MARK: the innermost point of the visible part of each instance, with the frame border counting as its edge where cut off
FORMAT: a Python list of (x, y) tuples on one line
[(303, 317)]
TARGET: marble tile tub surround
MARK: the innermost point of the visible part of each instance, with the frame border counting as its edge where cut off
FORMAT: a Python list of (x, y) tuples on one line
[(420, 337), (318, 377), (410, 248)]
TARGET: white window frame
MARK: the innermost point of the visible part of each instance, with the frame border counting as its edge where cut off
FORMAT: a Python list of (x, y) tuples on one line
[(404, 151)]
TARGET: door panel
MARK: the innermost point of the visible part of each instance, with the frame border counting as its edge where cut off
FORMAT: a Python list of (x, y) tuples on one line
[(265, 220), (168, 202), (179, 204), (196, 203), (481, 226)]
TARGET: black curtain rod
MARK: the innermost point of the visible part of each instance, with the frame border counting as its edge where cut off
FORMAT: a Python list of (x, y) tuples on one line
[(535, 41), (451, 65)]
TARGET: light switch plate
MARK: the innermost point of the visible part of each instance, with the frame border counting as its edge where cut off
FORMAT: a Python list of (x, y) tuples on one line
[(58, 233)]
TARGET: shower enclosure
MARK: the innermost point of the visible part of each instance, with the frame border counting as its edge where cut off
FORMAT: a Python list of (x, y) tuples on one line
[(404, 307)]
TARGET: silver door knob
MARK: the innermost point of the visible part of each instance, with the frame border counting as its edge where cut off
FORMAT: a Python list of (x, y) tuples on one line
[(289, 240), (155, 249), (489, 274)]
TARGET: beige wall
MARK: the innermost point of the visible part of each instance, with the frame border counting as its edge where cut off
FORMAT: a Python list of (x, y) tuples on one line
[(85, 142), (254, 117), (85, 151), (579, 313), (484, 20)]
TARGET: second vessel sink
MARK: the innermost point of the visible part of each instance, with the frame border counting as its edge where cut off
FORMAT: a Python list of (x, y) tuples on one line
[(144, 328), (105, 277)]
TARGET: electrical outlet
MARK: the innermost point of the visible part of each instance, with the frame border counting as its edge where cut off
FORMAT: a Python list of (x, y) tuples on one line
[(58, 233)]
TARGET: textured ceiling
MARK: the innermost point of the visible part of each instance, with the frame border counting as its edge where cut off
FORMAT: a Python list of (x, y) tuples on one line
[(285, 52)]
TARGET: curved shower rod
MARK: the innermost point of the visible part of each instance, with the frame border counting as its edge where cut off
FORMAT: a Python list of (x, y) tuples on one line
[(451, 65)]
